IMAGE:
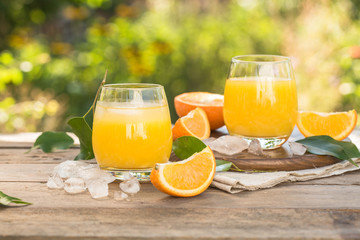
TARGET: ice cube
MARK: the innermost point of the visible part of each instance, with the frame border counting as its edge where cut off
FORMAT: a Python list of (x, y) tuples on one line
[(98, 188), (74, 185), (207, 141), (266, 71), (69, 168), (108, 177), (131, 186), (120, 195), (229, 145), (95, 172), (255, 147), (127, 175), (55, 181), (297, 148), (137, 98)]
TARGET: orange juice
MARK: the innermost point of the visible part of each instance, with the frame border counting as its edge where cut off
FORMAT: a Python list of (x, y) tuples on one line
[(262, 107), (131, 137)]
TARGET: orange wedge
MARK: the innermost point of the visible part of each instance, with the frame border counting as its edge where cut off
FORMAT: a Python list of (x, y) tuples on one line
[(337, 125), (186, 178), (195, 123), (211, 103)]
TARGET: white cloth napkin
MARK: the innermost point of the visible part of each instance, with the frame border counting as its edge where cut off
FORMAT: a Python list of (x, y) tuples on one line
[(235, 182)]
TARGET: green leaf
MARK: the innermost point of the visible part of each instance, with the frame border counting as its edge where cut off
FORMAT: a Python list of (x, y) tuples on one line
[(50, 141), (83, 131), (323, 147), (223, 165), (326, 145), (351, 150), (185, 147), (6, 200)]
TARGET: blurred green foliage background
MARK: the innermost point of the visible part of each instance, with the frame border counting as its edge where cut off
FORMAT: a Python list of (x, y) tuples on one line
[(53, 54)]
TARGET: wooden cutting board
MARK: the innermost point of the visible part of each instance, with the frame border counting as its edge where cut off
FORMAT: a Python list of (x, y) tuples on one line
[(280, 159), (277, 160)]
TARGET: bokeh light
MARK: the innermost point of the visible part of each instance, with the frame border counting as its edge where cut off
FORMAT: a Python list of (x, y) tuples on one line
[(53, 54)]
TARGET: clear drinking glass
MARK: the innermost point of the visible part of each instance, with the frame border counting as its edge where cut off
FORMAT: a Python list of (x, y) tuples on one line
[(131, 129), (260, 99)]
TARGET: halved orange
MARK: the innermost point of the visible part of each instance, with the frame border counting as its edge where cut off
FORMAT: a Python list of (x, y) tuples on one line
[(186, 178), (211, 103), (195, 123), (337, 125)]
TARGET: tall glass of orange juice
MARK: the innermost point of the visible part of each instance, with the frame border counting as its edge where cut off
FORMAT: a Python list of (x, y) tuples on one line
[(260, 99), (131, 129)]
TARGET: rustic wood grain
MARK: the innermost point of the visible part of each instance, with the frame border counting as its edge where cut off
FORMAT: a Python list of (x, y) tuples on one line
[(25, 172), (25, 145), (39, 172), (7, 145), (325, 208), (283, 196), (278, 160), (349, 178), (179, 223), (19, 155)]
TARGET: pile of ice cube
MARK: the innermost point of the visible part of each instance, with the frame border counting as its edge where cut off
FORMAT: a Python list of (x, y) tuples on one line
[(77, 176), (231, 145)]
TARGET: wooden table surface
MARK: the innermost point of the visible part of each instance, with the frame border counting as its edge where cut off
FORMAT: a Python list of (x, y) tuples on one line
[(327, 208)]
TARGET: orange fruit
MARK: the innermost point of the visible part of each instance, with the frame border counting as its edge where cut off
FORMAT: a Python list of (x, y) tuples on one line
[(211, 103), (195, 123), (186, 178), (337, 125)]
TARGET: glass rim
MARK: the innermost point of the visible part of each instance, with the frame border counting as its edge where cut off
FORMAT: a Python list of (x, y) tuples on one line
[(282, 59), (132, 86)]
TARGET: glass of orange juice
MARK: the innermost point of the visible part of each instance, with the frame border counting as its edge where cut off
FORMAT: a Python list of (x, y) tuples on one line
[(131, 129), (260, 99)]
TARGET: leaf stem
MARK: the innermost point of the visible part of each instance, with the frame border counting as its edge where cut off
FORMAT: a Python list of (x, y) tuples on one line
[(33, 148), (92, 106), (96, 96), (237, 169)]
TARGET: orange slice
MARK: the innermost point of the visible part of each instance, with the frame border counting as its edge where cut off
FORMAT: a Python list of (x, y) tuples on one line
[(211, 103), (337, 125), (186, 178), (195, 123)]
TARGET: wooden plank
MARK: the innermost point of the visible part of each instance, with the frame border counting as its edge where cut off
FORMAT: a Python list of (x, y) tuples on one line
[(15, 166), (350, 178), (25, 139), (39, 172), (323, 208), (177, 223), (282, 197), (25, 172), (19, 156), (24, 145)]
